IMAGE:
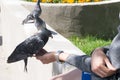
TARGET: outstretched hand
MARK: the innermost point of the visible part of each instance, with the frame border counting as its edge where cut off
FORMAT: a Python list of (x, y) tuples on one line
[(45, 57)]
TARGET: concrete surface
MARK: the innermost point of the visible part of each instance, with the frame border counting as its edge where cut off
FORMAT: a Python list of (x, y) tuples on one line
[(92, 18), (12, 14)]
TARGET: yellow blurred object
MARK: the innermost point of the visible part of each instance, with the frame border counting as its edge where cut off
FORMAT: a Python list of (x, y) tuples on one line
[(64, 1), (70, 1), (97, 0), (34, 0), (81, 1), (44, 1), (88, 0), (50, 1)]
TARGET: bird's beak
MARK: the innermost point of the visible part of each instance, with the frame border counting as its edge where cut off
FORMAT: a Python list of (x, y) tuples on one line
[(54, 33), (51, 36)]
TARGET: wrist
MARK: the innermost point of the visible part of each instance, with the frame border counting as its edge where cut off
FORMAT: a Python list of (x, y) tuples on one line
[(63, 57), (57, 55)]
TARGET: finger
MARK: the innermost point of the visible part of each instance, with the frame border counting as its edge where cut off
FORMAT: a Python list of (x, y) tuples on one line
[(111, 69), (109, 65), (38, 57), (101, 71), (41, 52), (104, 71)]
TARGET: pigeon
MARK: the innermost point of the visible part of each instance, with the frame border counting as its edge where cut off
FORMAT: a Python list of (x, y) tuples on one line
[(35, 15), (39, 23), (30, 46), (36, 12)]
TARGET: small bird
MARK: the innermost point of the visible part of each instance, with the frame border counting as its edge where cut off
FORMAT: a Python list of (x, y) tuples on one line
[(28, 19), (30, 46), (39, 23), (36, 12)]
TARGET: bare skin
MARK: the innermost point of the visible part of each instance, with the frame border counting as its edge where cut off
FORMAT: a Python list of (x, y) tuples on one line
[(101, 64)]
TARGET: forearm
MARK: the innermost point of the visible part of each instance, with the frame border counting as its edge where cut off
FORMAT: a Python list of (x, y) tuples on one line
[(81, 62)]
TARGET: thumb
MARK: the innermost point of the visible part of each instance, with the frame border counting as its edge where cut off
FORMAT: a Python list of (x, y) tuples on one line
[(109, 65)]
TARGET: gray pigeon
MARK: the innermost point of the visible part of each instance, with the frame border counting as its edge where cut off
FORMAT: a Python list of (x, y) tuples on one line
[(39, 23), (30, 46), (36, 12), (35, 15)]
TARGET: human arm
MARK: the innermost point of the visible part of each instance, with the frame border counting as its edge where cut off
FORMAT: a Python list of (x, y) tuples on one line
[(49, 57), (82, 62), (98, 63)]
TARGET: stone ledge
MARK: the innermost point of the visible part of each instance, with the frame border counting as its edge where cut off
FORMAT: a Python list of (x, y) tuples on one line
[(94, 18)]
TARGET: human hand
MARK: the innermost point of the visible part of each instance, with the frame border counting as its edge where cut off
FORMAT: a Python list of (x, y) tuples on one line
[(100, 64), (40, 53), (46, 57)]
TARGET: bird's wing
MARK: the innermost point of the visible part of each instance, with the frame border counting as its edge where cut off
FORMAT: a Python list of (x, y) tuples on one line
[(33, 44)]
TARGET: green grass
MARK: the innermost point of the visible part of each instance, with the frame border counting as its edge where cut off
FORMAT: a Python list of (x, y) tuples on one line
[(88, 43)]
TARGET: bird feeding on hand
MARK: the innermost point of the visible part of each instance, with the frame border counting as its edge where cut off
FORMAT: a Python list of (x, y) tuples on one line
[(30, 46)]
